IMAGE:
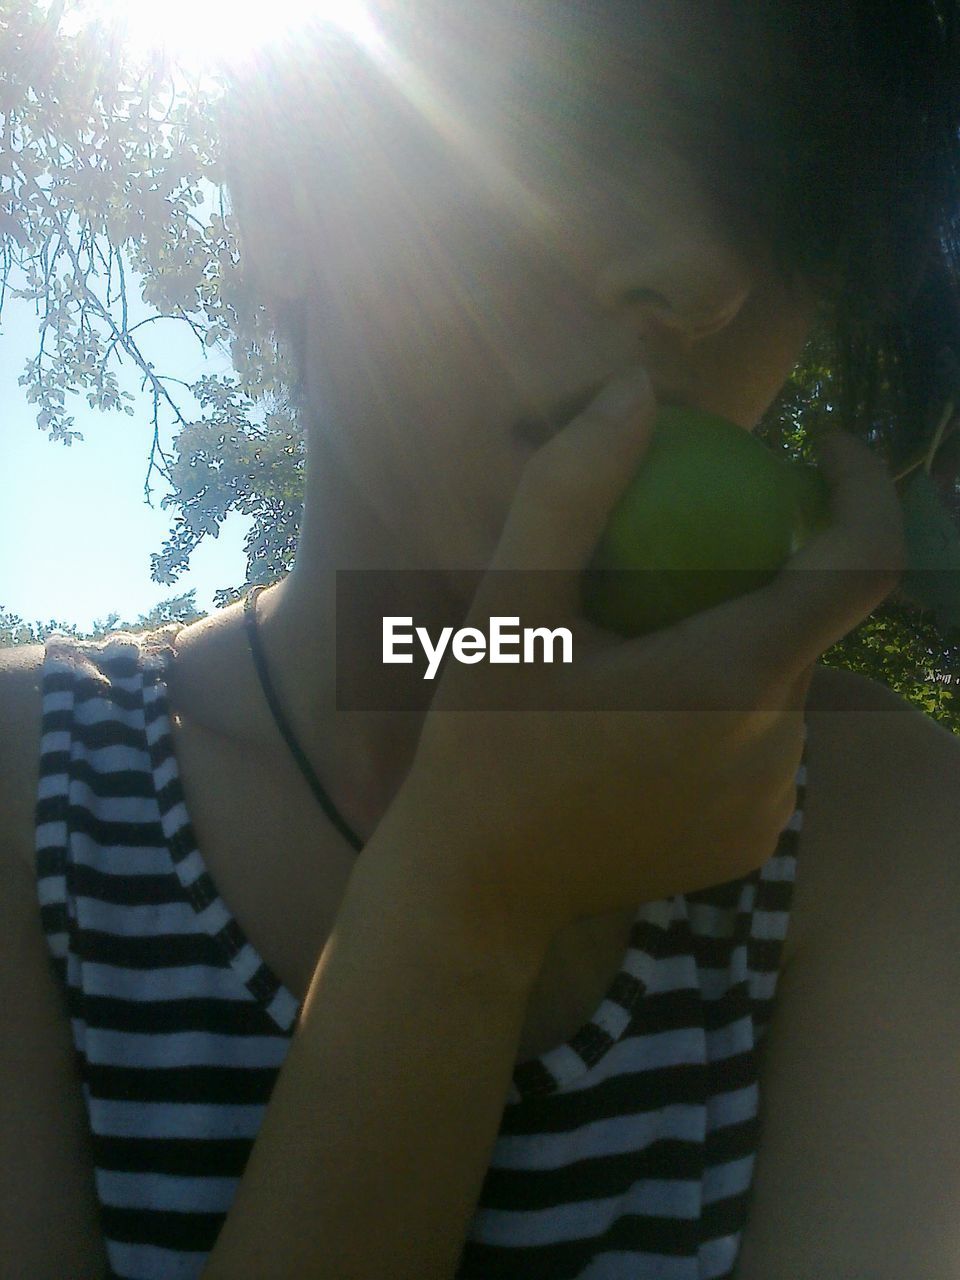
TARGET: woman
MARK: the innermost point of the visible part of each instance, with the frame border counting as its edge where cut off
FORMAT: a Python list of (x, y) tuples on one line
[(361, 985)]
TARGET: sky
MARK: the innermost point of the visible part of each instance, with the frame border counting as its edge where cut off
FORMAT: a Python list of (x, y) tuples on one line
[(75, 531)]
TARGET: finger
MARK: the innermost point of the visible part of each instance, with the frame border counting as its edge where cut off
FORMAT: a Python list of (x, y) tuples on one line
[(835, 580), (562, 504)]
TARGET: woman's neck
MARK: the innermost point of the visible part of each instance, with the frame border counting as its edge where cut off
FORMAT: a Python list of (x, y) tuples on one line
[(321, 630)]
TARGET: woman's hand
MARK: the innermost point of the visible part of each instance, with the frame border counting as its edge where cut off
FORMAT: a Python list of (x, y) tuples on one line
[(650, 766)]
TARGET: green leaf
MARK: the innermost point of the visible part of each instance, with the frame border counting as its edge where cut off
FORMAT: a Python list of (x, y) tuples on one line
[(932, 578)]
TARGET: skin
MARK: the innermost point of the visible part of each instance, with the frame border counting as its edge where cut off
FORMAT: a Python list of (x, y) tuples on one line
[(487, 289)]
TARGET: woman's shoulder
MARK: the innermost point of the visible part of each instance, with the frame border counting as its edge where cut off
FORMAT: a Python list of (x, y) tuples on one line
[(879, 771), (860, 1074), (881, 751), (855, 712), (21, 718), (838, 689), (882, 776)]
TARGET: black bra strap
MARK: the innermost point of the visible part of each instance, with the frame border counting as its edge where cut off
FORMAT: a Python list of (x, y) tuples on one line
[(259, 661)]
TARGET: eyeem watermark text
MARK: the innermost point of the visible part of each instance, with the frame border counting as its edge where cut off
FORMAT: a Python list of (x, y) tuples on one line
[(470, 645)]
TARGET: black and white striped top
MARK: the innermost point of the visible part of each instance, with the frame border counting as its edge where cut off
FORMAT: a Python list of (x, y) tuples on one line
[(627, 1152)]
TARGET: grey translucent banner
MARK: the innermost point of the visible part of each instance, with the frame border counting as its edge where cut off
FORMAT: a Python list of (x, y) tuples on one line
[(530, 646)]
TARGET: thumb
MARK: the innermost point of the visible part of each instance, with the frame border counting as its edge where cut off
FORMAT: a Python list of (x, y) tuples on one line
[(563, 501)]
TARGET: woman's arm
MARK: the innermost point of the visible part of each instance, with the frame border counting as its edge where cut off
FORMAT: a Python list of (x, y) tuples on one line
[(380, 1130), (858, 1174)]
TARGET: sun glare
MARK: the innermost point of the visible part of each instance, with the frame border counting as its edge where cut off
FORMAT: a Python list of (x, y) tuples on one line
[(202, 32)]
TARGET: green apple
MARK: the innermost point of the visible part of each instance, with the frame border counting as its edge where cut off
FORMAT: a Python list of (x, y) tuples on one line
[(711, 513)]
